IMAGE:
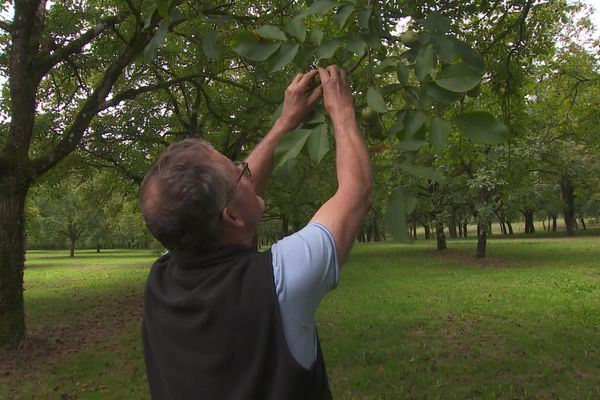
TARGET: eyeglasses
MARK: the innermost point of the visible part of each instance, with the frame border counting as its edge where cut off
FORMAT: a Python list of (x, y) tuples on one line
[(246, 173)]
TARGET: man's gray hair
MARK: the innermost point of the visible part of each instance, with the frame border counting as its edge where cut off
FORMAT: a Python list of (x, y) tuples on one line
[(182, 197)]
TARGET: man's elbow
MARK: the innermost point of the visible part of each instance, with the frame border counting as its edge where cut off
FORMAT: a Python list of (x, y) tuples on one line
[(367, 197)]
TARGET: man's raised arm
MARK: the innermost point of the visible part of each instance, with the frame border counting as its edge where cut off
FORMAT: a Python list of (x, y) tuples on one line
[(343, 213), (296, 104)]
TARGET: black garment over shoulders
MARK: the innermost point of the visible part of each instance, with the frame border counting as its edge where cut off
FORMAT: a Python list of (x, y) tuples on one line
[(212, 330)]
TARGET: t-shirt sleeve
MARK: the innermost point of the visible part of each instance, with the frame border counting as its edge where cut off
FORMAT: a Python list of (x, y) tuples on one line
[(305, 268)]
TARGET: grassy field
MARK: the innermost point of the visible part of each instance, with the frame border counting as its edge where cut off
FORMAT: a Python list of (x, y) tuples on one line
[(406, 322)]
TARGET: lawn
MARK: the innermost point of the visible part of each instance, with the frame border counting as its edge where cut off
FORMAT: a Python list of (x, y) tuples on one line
[(406, 322)]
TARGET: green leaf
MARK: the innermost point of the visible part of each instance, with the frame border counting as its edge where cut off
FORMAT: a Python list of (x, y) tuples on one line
[(411, 95), (423, 172), (162, 6), (291, 145), (356, 45), (424, 63), (414, 122), (389, 89), (375, 100), (316, 37), (458, 78), (468, 55), (389, 64), (403, 75), (399, 205), (319, 7), (251, 48), (398, 125), (305, 57), (284, 56), (410, 145), (441, 95), (209, 45), (156, 41), (318, 143), (276, 114), (435, 22), (286, 171), (296, 28), (443, 47), (327, 50), (317, 117), (364, 15), (342, 15), (482, 127), (271, 32), (176, 15), (438, 133)]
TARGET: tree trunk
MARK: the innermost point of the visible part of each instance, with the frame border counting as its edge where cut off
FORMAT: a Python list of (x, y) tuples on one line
[(460, 230), (502, 227), (529, 227), (582, 222), (510, 228), (568, 197), (414, 231), (427, 231), (452, 228), (465, 229), (481, 241), (12, 258), (554, 223), (440, 237)]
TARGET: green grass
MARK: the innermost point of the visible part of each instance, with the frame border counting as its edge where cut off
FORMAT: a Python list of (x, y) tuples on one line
[(403, 323)]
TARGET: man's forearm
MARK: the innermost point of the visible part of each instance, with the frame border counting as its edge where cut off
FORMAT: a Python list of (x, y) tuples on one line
[(261, 160), (352, 158)]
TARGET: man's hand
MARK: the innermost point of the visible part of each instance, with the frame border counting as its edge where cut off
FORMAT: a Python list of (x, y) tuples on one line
[(298, 100), (337, 97)]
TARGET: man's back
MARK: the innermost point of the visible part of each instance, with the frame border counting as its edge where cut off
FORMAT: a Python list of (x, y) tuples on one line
[(212, 329)]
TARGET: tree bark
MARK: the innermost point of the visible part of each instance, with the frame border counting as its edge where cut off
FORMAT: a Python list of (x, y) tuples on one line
[(464, 230), (427, 231), (481, 241), (568, 198), (529, 227), (440, 237), (452, 228), (13, 190), (582, 222)]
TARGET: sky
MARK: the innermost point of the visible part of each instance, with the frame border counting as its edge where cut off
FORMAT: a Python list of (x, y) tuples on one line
[(596, 15)]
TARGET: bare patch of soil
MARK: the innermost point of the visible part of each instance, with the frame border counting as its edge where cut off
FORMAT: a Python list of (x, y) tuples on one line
[(468, 258), (49, 345)]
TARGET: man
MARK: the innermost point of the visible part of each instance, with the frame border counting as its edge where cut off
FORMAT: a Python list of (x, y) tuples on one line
[(222, 321)]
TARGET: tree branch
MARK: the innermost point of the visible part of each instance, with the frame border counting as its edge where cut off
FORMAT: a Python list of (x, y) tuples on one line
[(132, 93), (76, 45), (6, 26), (73, 134), (129, 174), (244, 88)]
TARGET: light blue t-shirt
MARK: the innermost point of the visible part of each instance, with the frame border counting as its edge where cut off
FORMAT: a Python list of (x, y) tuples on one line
[(305, 268)]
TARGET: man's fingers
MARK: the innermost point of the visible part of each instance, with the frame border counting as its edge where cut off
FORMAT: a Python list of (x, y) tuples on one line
[(297, 78), (314, 96), (324, 74), (307, 77)]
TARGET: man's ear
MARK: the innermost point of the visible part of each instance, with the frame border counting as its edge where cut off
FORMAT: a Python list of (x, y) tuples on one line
[(232, 218)]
